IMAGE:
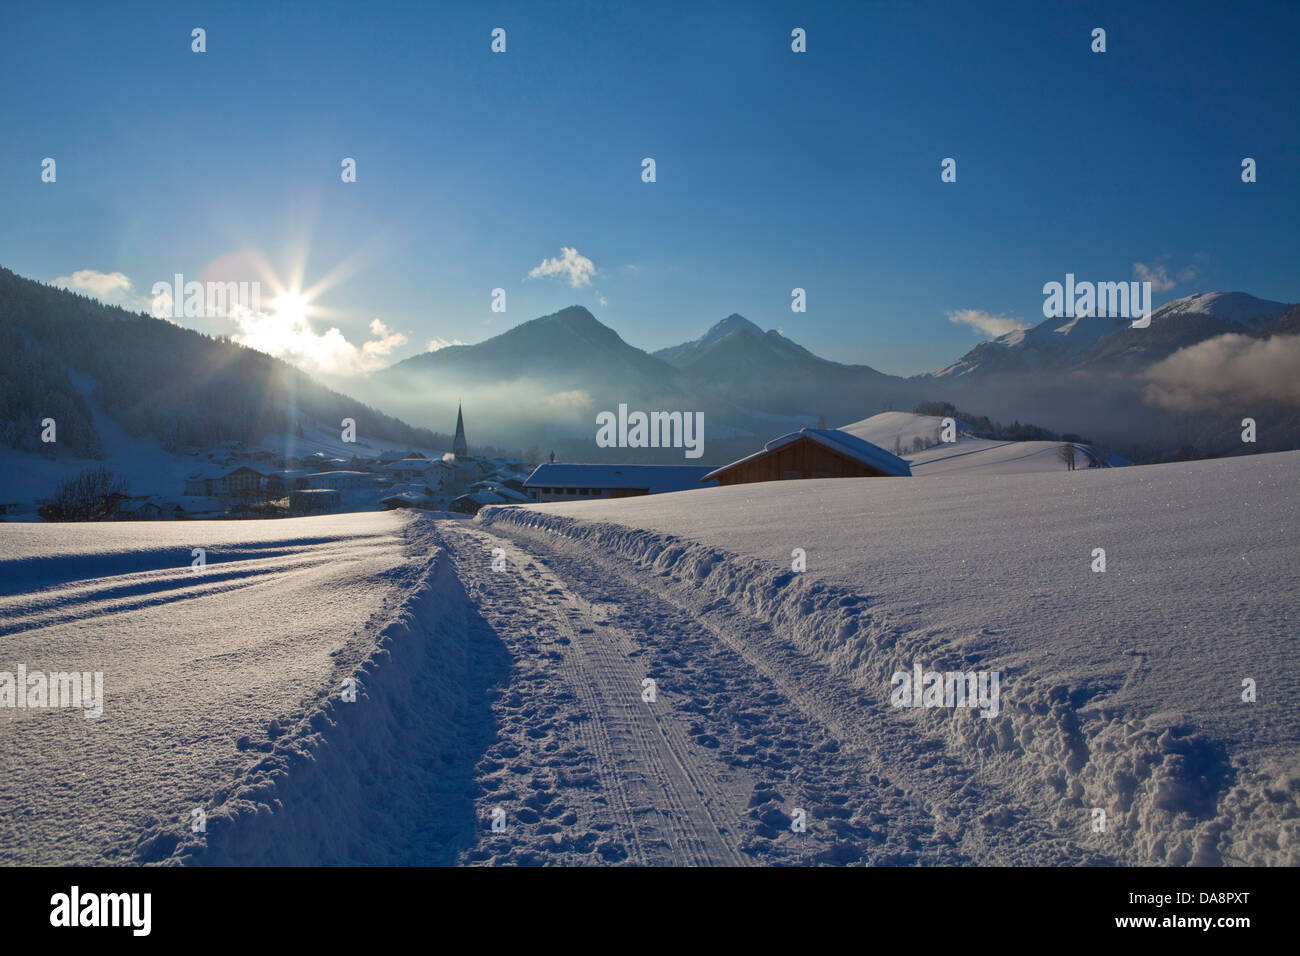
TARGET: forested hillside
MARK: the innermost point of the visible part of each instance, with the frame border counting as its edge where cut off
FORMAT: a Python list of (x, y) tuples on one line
[(154, 378)]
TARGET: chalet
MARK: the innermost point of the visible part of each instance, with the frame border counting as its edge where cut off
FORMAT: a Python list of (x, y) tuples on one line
[(570, 482), (280, 483), (340, 480), (241, 481), (418, 488), (812, 453), (192, 506), (471, 503), (201, 482), (141, 509), (406, 499)]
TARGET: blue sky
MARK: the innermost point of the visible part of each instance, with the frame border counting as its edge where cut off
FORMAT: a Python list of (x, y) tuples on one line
[(774, 169)]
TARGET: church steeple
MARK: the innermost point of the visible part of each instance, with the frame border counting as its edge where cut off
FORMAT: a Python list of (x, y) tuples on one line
[(459, 445)]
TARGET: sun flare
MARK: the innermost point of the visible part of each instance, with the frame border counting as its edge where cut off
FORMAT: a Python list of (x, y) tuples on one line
[(290, 306)]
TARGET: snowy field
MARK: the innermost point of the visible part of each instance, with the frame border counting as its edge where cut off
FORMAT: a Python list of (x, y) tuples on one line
[(193, 662), (967, 455), (501, 668), (1121, 690)]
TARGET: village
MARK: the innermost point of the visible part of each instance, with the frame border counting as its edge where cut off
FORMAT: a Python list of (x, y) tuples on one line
[(243, 482)]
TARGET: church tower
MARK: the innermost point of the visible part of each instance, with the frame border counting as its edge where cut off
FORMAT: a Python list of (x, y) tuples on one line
[(458, 445)]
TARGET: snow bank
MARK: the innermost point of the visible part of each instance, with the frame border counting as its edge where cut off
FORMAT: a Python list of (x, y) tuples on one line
[(1072, 734), (373, 781)]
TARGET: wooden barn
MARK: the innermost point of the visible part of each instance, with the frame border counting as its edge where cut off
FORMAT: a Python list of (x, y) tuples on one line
[(813, 453)]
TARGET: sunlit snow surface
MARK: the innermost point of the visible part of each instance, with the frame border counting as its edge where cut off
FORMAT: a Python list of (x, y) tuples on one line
[(1201, 592), (193, 660)]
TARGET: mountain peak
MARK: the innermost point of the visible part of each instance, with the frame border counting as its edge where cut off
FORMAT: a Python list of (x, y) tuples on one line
[(1235, 306), (732, 323)]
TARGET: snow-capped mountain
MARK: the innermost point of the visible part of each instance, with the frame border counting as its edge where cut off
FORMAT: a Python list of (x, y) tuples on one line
[(1177, 325), (1234, 306), (1111, 344), (1051, 341)]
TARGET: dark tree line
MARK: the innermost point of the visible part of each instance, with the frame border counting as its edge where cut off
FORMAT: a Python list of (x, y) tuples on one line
[(981, 426), (154, 378)]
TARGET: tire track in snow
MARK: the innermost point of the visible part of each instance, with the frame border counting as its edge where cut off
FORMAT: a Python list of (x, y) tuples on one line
[(663, 791), (724, 735), (930, 794)]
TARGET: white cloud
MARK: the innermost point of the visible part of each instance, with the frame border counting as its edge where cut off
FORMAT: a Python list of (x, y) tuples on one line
[(291, 337), (435, 343), (1227, 368), (113, 288), (1158, 276), (572, 265), (991, 325), (387, 341)]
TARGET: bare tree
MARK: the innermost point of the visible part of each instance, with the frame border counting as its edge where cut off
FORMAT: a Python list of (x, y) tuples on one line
[(1067, 454), (90, 495)]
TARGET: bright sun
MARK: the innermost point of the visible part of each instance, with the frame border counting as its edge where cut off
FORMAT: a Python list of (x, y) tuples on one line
[(291, 306)]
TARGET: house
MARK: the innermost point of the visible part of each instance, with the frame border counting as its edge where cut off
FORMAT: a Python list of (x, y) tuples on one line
[(418, 488), (471, 503), (573, 482), (406, 499), (241, 481), (141, 509), (340, 480), (280, 483), (812, 453), (200, 483), (193, 506), (418, 469)]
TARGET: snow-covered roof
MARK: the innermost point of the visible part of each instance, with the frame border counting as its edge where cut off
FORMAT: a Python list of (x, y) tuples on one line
[(408, 487), (657, 478), (414, 464), (841, 442), (510, 494), (482, 498)]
